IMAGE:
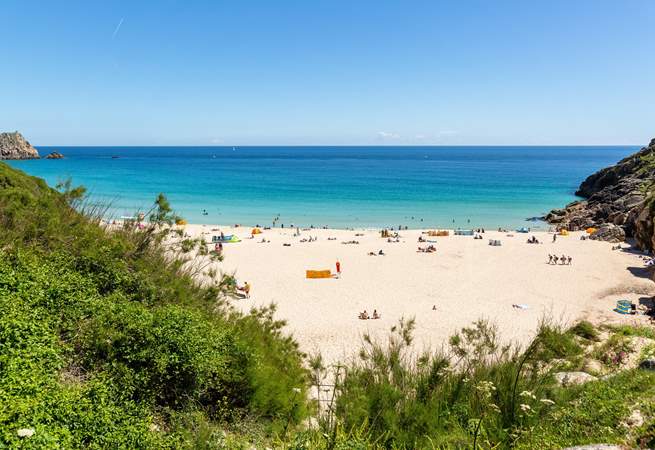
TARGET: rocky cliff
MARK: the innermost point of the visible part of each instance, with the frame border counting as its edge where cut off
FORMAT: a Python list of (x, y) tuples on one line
[(15, 146), (618, 201)]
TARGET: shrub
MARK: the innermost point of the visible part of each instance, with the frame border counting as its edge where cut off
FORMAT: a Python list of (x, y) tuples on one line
[(107, 333), (481, 393), (585, 330)]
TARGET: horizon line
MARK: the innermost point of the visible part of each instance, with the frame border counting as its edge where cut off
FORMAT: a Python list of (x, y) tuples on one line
[(339, 145)]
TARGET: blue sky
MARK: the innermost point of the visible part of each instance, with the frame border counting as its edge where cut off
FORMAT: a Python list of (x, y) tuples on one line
[(328, 72)]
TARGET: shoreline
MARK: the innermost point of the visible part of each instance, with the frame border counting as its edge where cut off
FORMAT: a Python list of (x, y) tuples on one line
[(464, 280)]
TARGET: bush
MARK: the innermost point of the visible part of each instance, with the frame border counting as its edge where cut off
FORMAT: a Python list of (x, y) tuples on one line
[(483, 394), (107, 334), (585, 330)]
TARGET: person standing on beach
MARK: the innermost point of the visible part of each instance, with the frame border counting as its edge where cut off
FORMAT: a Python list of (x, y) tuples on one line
[(554, 237), (338, 269)]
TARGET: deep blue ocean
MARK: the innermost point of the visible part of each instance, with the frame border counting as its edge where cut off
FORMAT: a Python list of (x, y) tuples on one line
[(335, 186)]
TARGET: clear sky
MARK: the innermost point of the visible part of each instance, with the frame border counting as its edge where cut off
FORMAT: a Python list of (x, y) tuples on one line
[(335, 72)]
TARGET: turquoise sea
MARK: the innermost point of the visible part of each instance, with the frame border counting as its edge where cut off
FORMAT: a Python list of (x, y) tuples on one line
[(334, 186)]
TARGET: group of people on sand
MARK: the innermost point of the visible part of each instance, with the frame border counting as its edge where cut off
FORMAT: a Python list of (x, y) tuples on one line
[(563, 260), (380, 253), (364, 315), (429, 249), (309, 239), (386, 234), (533, 240)]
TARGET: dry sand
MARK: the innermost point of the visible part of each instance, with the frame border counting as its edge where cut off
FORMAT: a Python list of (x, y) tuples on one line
[(466, 279)]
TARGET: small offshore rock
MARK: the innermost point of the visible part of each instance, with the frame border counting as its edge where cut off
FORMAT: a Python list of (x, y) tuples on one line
[(573, 378), (54, 155), (647, 364)]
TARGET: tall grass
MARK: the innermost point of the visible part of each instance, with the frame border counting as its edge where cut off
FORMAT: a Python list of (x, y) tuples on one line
[(477, 393)]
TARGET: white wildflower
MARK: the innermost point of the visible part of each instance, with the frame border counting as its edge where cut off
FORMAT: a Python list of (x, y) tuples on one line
[(547, 401), (296, 390), (25, 432), (494, 407), (524, 407), (485, 386), (528, 394)]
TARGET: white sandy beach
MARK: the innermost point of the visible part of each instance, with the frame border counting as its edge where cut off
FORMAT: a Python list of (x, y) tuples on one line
[(465, 279)]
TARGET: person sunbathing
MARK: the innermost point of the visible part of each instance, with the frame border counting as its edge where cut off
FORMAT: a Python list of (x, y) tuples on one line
[(364, 315), (376, 315), (381, 253), (372, 254), (245, 289)]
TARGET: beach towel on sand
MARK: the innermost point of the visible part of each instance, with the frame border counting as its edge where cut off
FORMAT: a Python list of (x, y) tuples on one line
[(318, 274)]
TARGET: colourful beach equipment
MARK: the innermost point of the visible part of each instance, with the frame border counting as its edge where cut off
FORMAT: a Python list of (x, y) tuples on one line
[(563, 232), (464, 233), (318, 274), (623, 307), (590, 230), (227, 239), (522, 230), (256, 231)]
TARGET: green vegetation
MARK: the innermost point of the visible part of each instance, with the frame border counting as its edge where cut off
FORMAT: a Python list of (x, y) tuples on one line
[(585, 330), (627, 330), (124, 338), (598, 412), (107, 340)]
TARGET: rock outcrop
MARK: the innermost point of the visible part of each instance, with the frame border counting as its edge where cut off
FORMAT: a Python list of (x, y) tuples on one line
[(54, 155), (15, 146), (573, 378), (617, 201)]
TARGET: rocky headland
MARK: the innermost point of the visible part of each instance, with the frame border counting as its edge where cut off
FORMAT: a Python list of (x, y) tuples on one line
[(618, 202), (15, 146)]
